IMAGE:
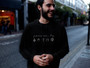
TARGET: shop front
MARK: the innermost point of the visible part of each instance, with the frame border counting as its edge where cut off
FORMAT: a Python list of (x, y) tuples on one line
[(8, 11), (7, 15)]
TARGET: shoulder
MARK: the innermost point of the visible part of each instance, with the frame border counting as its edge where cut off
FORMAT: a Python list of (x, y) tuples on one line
[(31, 24), (61, 28), (34, 22), (59, 25)]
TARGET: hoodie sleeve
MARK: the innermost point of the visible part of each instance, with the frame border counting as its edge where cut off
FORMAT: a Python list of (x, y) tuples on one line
[(62, 49), (26, 48)]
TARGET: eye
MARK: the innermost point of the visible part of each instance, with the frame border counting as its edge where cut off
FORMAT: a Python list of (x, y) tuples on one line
[(53, 5), (49, 5)]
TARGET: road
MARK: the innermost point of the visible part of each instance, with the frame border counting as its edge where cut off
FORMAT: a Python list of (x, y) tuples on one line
[(9, 53), (77, 38), (9, 47), (76, 35)]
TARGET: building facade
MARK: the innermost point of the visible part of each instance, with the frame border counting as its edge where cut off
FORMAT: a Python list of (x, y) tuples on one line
[(81, 6), (75, 4)]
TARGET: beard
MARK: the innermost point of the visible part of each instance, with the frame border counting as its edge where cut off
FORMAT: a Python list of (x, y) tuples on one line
[(45, 15)]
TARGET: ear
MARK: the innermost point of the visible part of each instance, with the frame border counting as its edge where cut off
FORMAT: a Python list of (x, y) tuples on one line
[(39, 7)]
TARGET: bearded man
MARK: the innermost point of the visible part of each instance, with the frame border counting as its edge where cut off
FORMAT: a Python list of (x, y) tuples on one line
[(44, 41)]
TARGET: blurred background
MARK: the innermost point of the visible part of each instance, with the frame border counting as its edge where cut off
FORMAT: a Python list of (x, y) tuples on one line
[(21, 12)]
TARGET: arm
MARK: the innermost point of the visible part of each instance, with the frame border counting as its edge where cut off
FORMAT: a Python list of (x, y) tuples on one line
[(26, 49), (62, 49)]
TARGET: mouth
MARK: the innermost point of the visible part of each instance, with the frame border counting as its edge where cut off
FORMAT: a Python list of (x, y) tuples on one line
[(51, 13)]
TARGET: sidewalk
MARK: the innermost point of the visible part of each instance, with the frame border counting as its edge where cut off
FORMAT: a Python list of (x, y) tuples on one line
[(81, 60), (13, 34)]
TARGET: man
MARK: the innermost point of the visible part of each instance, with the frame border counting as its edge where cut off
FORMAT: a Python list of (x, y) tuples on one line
[(44, 42), (7, 27), (3, 25)]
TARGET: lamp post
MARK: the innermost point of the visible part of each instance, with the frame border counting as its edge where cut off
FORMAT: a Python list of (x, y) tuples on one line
[(88, 27)]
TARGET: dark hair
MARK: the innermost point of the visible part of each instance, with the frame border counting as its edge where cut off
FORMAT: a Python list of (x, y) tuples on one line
[(39, 2)]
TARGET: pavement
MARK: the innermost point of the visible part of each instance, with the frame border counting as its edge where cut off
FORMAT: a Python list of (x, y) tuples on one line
[(80, 60), (13, 34), (83, 61)]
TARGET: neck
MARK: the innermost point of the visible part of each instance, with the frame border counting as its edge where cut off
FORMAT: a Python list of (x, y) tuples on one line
[(43, 20)]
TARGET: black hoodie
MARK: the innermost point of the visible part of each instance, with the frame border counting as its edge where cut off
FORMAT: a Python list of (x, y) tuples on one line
[(40, 39)]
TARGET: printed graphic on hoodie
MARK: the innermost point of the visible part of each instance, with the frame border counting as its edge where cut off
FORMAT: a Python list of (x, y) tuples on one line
[(43, 38)]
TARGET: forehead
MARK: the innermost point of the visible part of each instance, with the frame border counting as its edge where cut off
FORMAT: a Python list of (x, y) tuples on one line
[(48, 1)]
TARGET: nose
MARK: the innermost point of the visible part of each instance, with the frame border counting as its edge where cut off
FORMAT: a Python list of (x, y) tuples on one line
[(52, 7)]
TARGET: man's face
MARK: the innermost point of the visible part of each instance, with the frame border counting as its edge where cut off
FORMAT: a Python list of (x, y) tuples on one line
[(47, 10)]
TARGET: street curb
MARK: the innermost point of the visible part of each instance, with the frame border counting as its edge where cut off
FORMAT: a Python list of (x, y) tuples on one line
[(73, 26), (74, 59), (71, 55), (10, 36)]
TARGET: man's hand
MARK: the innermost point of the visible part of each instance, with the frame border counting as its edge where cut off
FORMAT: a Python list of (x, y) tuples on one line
[(39, 61), (47, 57)]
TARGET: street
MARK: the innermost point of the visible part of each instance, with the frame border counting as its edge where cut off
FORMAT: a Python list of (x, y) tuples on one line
[(9, 53), (76, 35), (77, 38), (11, 58)]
